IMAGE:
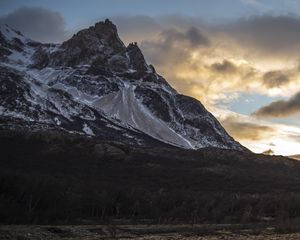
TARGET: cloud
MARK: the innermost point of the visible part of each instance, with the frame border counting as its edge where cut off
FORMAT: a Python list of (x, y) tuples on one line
[(250, 2), (281, 108), (295, 136), (130, 24), (195, 37), (224, 67), (191, 37), (275, 79), (174, 53), (264, 35), (136, 28), (260, 135), (272, 35), (243, 130), (200, 58), (257, 5), (37, 23)]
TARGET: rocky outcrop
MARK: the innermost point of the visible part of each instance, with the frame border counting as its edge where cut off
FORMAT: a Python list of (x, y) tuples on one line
[(8, 45), (107, 151), (99, 41), (137, 60), (40, 58)]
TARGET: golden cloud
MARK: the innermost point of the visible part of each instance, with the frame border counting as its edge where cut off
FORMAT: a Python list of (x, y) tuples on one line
[(213, 61), (243, 130), (281, 108)]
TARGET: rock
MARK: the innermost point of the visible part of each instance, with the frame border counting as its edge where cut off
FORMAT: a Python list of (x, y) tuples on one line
[(118, 63), (100, 66), (4, 52), (137, 60), (107, 31), (40, 58), (154, 102), (89, 44), (108, 151), (13, 44), (189, 105)]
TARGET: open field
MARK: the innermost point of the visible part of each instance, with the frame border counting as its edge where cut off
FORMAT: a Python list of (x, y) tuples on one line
[(155, 232)]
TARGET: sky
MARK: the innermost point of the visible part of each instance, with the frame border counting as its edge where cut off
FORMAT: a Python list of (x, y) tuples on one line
[(240, 58)]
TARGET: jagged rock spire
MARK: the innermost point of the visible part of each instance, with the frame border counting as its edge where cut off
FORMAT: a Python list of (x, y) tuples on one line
[(136, 56), (88, 44)]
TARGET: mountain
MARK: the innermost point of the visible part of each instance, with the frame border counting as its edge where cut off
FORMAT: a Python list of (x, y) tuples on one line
[(94, 85), (297, 156), (268, 152)]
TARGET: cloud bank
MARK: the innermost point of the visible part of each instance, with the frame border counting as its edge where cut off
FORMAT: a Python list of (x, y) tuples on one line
[(271, 35), (210, 61), (37, 23), (282, 108), (243, 130)]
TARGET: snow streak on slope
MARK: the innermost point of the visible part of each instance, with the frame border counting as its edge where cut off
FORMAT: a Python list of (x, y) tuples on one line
[(124, 106), (11, 34)]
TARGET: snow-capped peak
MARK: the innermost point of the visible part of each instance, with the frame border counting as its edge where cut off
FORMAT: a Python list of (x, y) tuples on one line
[(92, 84)]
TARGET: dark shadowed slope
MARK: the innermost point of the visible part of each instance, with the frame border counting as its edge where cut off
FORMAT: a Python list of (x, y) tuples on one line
[(50, 177)]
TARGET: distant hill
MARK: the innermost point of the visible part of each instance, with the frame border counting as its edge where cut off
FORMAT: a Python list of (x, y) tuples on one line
[(268, 152), (297, 156)]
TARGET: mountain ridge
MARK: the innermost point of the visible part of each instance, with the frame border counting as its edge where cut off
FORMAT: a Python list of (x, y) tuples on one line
[(92, 84)]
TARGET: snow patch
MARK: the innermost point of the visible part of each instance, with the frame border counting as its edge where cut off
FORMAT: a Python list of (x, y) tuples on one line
[(125, 106), (18, 115), (87, 130), (57, 122), (10, 33)]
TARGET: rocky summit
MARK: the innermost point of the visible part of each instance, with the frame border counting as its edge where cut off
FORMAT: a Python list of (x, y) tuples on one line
[(93, 85)]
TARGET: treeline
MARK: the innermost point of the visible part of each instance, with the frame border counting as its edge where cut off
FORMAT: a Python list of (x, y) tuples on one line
[(26, 200), (56, 179)]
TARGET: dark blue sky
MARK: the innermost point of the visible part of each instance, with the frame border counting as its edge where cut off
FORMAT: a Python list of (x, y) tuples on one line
[(80, 12)]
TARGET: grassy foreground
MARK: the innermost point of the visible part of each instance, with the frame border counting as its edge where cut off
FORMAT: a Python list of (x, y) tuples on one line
[(155, 232)]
